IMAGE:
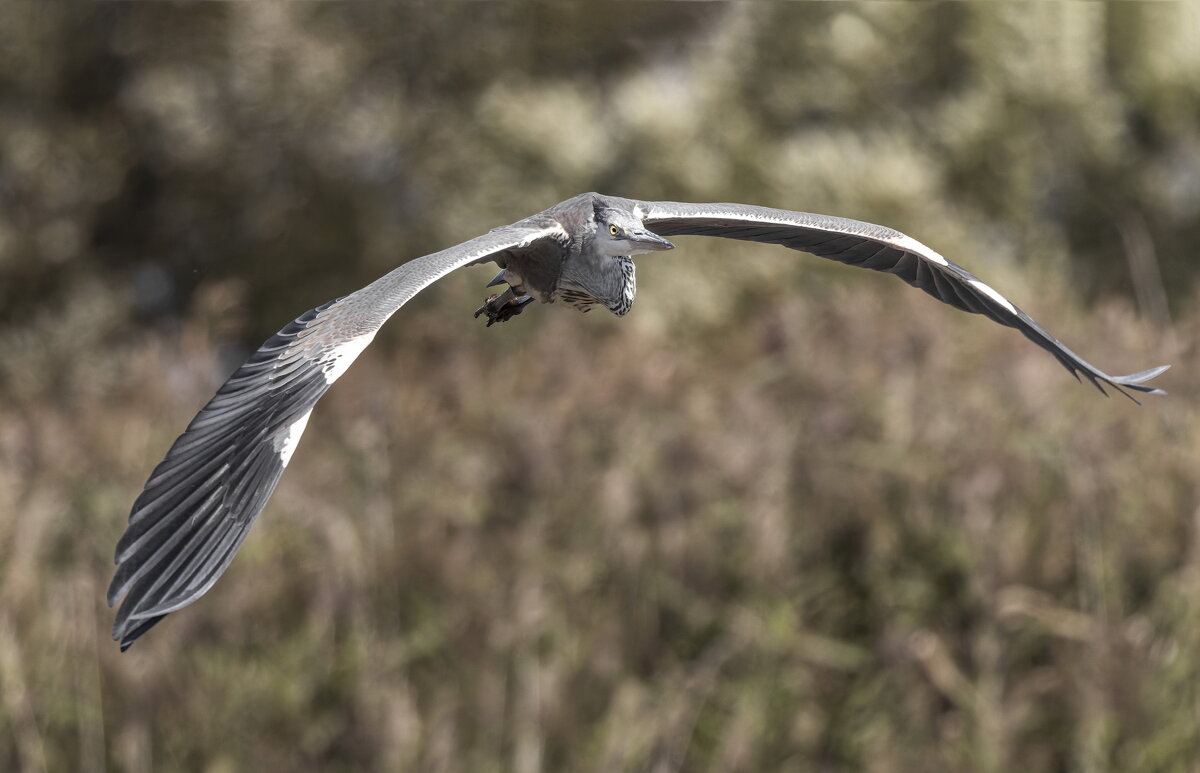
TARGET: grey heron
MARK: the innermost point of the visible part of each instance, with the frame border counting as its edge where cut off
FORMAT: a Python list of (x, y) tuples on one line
[(202, 499)]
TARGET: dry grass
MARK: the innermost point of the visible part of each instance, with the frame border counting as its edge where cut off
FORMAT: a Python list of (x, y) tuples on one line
[(843, 529)]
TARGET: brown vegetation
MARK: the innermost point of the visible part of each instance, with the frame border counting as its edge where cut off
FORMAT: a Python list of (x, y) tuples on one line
[(801, 534)]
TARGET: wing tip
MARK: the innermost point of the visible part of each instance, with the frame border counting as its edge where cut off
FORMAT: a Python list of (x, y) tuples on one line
[(126, 632), (1137, 381)]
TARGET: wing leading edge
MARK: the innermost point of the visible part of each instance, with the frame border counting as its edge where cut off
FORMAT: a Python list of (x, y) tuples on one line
[(878, 248)]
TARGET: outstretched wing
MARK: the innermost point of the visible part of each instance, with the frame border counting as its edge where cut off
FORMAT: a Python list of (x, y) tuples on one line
[(856, 243), (202, 499)]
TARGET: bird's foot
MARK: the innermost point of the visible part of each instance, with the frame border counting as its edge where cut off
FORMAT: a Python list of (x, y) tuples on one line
[(503, 307)]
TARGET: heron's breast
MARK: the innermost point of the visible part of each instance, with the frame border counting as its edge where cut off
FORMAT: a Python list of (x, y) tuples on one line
[(575, 295), (613, 288)]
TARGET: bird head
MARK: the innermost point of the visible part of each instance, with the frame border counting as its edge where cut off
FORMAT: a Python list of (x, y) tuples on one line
[(622, 233)]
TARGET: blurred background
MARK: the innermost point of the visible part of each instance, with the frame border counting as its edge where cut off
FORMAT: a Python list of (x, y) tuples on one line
[(784, 516)]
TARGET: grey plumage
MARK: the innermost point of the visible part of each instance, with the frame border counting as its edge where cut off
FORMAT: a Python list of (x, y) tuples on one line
[(202, 499)]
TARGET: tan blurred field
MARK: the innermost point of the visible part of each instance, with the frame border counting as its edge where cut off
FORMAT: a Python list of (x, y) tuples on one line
[(833, 522), (785, 516)]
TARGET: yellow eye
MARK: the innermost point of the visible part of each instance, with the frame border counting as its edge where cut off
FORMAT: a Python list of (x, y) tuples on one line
[(612, 229)]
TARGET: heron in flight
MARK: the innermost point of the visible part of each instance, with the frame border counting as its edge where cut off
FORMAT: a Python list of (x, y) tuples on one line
[(202, 499)]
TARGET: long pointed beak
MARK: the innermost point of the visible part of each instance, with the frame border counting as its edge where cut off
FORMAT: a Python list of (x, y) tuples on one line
[(649, 241)]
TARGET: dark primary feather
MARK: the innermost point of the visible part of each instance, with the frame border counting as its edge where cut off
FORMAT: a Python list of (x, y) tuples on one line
[(201, 500), (865, 245)]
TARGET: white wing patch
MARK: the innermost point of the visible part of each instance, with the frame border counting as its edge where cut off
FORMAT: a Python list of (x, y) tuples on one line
[(909, 244), (554, 230), (286, 446), (342, 355), (995, 296)]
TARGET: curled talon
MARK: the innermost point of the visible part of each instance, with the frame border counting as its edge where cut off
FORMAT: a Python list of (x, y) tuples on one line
[(484, 308), (503, 307)]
